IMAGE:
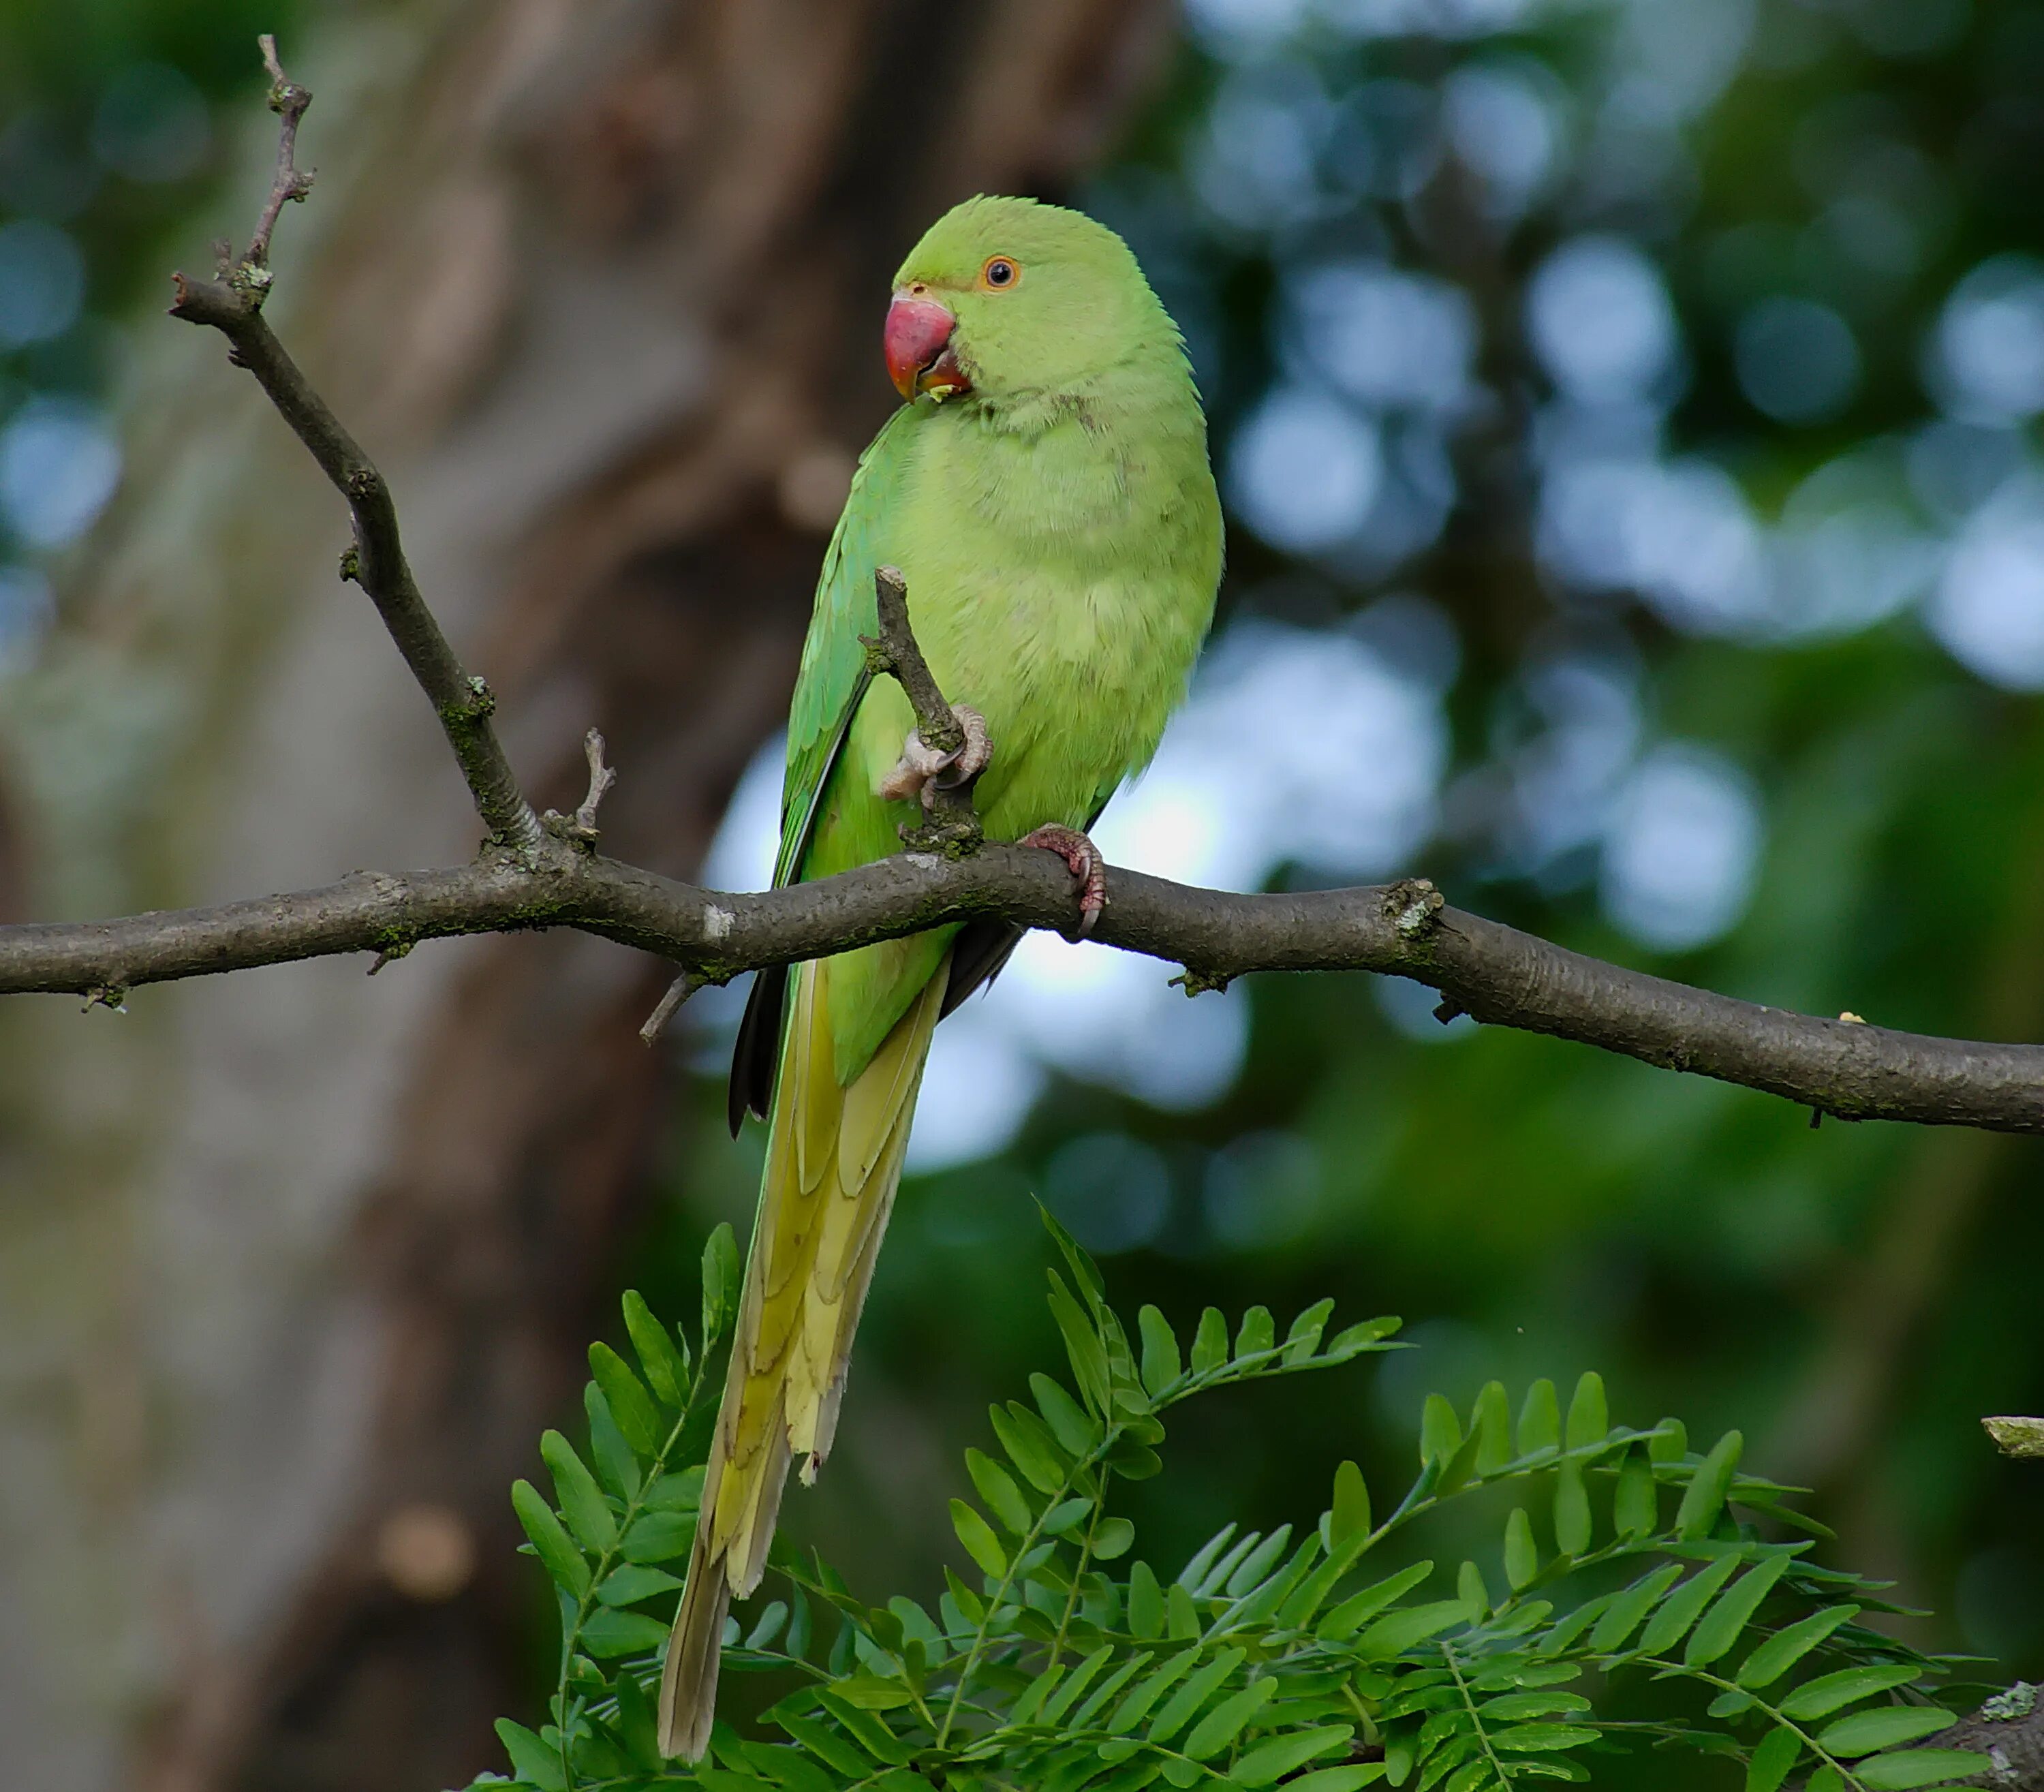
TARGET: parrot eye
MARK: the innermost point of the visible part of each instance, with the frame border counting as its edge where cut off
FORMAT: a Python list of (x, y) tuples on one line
[(999, 271)]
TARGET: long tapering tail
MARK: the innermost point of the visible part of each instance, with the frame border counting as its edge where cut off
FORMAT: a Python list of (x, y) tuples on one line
[(833, 1161)]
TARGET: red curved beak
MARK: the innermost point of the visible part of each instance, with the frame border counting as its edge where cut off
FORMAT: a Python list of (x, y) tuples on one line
[(917, 339)]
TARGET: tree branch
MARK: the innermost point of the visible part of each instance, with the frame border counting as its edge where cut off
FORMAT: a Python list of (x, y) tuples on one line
[(2009, 1730), (232, 304), (2016, 1436), (551, 876), (1499, 975)]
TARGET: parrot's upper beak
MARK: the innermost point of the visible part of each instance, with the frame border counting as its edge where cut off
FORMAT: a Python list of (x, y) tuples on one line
[(917, 340)]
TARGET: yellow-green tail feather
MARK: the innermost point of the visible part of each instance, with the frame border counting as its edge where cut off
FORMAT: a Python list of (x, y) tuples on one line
[(833, 1161)]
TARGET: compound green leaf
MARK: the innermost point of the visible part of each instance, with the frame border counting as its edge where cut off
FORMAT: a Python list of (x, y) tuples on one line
[(1082, 1345), (581, 1502), (1030, 1447), (1589, 1415), (608, 1632), (1704, 1499), (1191, 1698), (1257, 1333), (1272, 1759), (1354, 1612), (1788, 1646), (531, 1759), (1629, 1608), (1526, 1739), (1636, 1508), (1338, 1779), (1911, 1768), (1490, 1420), (1778, 1751), (829, 1746), (1161, 1365), (1403, 1630), (630, 1403), (629, 1583), (1351, 1341), (1146, 1602), (666, 1367), (1539, 1419), (1833, 1692), (1572, 1509), (1669, 1624), (720, 1274), (616, 1466), (977, 1536), (1440, 1431), (1112, 1539), (1251, 1569), (1351, 1505), (996, 1486), (1228, 1720), (1304, 1336), (556, 1549), (1522, 1555), (1517, 1708), (1862, 1732), (1475, 1595), (658, 1537), (1142, 1697), (1724, 1624), (1077, 1433)]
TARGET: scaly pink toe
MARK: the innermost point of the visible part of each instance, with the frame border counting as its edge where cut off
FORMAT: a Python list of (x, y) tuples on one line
[(1083, 860)]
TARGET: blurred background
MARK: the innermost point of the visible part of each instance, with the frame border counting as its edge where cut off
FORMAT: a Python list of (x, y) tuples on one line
[(1626, 411)]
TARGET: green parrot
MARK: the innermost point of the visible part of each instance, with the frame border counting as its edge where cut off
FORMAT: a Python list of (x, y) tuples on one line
[(1046, 493)]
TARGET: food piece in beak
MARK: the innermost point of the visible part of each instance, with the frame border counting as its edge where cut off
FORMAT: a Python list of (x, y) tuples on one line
[(917, 340)]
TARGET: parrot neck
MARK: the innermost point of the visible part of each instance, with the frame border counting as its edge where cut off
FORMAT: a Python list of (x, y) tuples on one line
[(1151, 377)]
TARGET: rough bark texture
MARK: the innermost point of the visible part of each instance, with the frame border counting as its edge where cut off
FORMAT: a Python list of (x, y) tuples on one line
[(296, 1268), (1498, 974)]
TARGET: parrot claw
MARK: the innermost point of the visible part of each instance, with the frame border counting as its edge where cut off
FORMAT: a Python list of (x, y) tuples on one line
[(921, 768), (1082, 859)]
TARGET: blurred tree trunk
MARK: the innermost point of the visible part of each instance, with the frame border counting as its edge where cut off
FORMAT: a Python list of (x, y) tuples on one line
[(293, 1267)]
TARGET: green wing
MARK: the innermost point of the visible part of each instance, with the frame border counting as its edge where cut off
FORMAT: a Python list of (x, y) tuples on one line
[(834, 677), (828, 690)]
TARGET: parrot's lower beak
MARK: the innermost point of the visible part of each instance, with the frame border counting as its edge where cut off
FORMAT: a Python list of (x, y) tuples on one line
[(917, 339)]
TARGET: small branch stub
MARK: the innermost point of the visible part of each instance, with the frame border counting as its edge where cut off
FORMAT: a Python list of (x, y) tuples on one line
[(580, 827), (1410, 906), (952, 828), (678, 992)]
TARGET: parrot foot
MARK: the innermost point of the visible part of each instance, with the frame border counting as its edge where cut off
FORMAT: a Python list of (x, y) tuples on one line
[(922, 768), (1082, 859)]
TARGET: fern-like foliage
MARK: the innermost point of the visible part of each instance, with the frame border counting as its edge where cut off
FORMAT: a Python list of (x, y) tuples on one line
[(1279, 1660)]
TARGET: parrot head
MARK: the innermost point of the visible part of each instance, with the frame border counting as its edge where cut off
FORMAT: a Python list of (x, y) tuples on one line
[(1006, 297)]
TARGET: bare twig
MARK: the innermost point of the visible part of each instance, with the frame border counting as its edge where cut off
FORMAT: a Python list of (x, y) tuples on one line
[(232, 304), (2015, 1436), (1499, 975), (952, 825), (289, 101)]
